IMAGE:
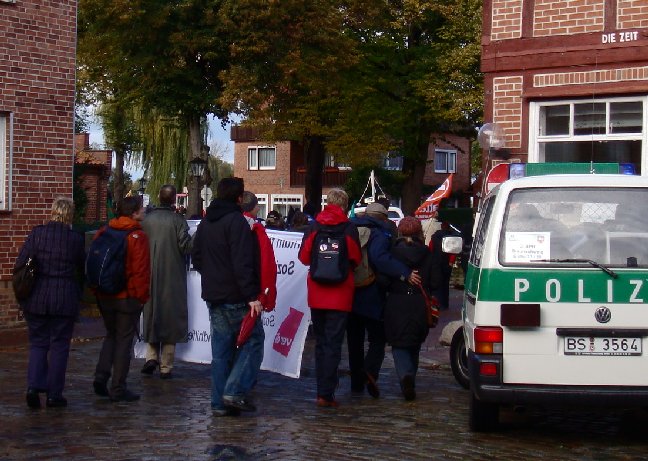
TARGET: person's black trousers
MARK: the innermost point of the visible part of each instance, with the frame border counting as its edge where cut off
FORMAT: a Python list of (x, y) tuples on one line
[(359, 362), (328, 326), (120, 317)]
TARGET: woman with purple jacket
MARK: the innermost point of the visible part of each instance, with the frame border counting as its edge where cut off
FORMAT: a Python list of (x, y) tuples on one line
[(53, 305)]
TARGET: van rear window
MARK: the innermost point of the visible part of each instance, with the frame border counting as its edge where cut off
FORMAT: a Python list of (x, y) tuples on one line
[(553, 226)]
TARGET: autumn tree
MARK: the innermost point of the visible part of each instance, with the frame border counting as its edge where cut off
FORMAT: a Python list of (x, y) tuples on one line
[(287, 75), (162, 57)]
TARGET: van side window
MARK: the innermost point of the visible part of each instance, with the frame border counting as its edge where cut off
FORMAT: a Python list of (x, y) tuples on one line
[(480, 234)]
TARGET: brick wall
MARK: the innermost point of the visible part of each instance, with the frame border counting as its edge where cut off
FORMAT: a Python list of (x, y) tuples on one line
[(37, 65), (632, 14), (506, 19), (566, 17), (96, 166), (507, 108)]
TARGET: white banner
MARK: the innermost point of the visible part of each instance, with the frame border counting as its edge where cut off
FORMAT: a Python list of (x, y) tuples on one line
[(285, 327)]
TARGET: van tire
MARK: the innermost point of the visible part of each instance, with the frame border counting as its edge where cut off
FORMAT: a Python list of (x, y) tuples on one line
[(459, 358), (484, 416)]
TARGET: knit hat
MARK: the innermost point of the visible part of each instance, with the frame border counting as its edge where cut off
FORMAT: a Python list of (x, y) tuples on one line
[(409, 226), (376, 208)]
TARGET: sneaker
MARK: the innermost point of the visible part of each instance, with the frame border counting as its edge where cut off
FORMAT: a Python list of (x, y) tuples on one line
[(150, 366), (407, 386), (219, 412), (327, 403), (126, 396), (56, 402), (100, 388), (372, 387), (33, 400), (166, 375), (238, 403)]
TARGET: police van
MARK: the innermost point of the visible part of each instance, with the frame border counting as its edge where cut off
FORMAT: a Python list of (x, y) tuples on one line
[(555, 296)]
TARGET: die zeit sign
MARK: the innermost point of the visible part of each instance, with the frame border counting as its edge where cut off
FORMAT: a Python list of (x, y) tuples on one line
[(620, 37)]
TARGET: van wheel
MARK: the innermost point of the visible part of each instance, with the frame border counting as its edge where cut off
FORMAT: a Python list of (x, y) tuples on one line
[(484, 416), (459, 359)]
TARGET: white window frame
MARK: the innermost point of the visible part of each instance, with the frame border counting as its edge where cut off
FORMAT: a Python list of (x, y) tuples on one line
[(281, 202), (6, 159), (534, 127), (263, 205), (449, 153), (253, 158)]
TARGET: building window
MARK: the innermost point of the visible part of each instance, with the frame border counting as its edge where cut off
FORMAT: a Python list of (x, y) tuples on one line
[(263, 205), (393, 161), (602, 130), (445, 161), (4, 156), (284, 202), (262, 158)]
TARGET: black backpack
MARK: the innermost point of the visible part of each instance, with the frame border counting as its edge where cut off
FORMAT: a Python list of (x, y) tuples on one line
[(329, 257), (105, 265)]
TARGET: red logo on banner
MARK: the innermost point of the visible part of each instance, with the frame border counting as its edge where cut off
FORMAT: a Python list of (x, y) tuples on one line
[(285, 336)]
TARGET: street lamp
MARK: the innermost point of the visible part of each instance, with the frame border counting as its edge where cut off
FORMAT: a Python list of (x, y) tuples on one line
[(142, 182), (197, 169)]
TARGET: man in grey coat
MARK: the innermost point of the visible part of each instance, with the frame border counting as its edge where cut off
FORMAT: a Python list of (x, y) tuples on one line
[(165, 314)]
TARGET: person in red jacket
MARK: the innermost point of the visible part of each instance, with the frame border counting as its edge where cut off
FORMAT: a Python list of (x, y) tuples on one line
[(330, 303), (267, 263), (121, 311)]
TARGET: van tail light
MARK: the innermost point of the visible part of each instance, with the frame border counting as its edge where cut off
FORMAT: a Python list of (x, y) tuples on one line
[(489, 340)]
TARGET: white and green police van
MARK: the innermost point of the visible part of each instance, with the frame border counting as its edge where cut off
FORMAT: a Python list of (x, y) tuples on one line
[(555, 304)]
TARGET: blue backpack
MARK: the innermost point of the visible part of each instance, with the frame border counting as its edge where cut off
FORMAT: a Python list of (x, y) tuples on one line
[(105, 265)]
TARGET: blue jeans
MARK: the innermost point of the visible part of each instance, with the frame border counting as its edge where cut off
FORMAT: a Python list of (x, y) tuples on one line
[(406, 361), (233, 371)]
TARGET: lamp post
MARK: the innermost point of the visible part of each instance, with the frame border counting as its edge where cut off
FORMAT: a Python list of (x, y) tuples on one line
[(196, 169), (142, 182)]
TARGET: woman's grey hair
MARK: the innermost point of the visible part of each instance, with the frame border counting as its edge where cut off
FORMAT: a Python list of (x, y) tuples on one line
[(338, 197), (63, 210)]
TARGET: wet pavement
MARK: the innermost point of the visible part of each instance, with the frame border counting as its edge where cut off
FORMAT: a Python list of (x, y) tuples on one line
[(173, 420)]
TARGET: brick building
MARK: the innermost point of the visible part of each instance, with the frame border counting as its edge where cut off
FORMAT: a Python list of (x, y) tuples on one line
[(567, 80), (94, 168), (37, 72), (276, 172)]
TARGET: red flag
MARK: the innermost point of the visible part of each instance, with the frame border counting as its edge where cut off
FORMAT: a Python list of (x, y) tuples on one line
[(429, 208)]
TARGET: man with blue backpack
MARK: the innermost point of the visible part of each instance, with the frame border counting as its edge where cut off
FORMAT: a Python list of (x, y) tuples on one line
[(118, 270), (332, 250)]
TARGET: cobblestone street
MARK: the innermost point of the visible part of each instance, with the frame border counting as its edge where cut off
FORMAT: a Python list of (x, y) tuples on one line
[(173, 420)]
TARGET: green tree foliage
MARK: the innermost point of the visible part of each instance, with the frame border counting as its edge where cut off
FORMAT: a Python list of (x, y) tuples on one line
[(162, 60), (418, 75), (286, 78)]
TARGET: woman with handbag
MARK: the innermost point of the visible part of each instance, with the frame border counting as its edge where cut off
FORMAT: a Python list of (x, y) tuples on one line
[(406, 310), (52, 306)]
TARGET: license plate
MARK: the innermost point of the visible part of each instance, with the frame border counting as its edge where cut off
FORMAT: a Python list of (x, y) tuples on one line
[(580, 345)]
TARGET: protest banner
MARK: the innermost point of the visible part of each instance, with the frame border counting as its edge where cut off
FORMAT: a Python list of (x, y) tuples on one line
[(285, 327)]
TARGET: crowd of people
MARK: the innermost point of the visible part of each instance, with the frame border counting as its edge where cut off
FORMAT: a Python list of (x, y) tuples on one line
[(384, 275)]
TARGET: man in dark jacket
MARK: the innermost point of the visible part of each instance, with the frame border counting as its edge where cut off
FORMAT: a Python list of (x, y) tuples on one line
[(369, 299), (224, 254)]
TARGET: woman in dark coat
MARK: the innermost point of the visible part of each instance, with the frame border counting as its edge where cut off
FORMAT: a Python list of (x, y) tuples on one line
[(405, 311), (53, 305)]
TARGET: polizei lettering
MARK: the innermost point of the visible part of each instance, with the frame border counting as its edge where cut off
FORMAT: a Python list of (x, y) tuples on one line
[(578, 290)]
